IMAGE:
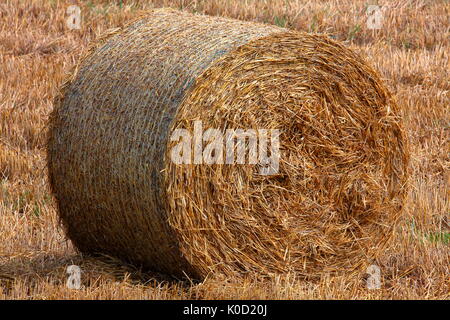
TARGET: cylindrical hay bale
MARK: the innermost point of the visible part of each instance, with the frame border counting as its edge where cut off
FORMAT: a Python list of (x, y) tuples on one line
[(329, 205)]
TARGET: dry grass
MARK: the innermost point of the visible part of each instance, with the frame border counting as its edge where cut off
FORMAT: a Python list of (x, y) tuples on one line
[(36, 49)]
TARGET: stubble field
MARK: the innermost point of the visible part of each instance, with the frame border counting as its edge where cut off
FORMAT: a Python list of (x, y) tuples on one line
[(37, 50)]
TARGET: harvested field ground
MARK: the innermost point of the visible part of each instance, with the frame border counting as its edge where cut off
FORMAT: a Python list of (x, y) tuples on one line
[(37, 49)]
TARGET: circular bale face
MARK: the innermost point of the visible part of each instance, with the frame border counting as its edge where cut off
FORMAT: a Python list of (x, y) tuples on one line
[(339, 188), (324, 199)]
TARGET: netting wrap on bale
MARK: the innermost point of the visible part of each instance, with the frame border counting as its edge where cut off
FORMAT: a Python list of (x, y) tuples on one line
[(330, 206)]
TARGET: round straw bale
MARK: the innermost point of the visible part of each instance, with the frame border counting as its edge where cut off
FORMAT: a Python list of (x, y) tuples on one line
[(332, 204)]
